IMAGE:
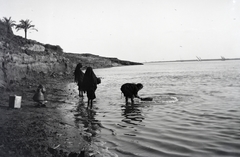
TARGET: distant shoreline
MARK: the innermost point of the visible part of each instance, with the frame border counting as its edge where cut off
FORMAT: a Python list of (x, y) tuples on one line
[(194, 60)]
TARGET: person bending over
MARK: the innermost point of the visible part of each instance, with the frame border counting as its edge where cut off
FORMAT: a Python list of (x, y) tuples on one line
[(130, 90)]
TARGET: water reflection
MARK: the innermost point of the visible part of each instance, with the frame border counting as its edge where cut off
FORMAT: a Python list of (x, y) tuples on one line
[(183, 118), (132, 113), (86, 118)]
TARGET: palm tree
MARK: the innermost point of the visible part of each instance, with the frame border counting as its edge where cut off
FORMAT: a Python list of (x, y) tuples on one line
[(25, 25), (9, 23)]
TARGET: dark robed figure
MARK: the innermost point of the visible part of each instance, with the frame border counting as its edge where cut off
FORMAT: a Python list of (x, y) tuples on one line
[(90, 85), (79, 78)]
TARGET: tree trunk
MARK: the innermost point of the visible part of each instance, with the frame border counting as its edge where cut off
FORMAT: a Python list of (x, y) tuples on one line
[(25, 30)]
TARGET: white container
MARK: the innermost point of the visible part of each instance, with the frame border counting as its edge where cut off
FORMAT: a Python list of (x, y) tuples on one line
[(15, 101)]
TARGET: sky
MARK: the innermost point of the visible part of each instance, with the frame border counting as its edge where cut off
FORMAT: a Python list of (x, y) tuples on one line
[(134, 30)]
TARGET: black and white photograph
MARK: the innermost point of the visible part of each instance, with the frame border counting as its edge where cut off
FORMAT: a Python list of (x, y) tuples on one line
[(120, 78)]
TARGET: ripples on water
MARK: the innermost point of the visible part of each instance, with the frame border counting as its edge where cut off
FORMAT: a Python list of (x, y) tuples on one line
[(195, 110)]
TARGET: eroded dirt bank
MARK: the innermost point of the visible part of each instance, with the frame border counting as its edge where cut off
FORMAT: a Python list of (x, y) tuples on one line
[(46, 131)]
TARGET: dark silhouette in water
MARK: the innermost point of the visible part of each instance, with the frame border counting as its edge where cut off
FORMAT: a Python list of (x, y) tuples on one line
[(130, 90), (78, 78), (90, 82)]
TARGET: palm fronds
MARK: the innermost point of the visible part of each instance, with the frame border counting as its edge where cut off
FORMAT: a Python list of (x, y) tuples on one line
[(25, 25)]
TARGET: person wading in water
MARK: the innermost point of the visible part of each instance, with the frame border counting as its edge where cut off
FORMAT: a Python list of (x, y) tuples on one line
[(90, 82), (130, 90), (79, 78)]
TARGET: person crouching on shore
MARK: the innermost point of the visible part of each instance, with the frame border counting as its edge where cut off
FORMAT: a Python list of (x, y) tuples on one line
[(90, 82), (130, 90), (39, 96)]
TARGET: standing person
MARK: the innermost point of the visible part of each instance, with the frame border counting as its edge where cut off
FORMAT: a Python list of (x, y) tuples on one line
[(130, 90), (79, 78), (90, 85)]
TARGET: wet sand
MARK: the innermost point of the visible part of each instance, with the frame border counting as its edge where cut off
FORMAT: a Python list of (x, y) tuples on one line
[(45, 131)]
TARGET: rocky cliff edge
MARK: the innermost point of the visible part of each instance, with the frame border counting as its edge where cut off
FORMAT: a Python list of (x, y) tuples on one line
[(22, 58)]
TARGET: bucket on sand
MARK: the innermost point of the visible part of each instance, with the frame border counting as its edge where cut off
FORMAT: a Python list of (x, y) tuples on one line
[(15, 101)]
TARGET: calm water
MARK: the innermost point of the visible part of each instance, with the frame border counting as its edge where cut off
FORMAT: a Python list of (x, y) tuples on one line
[(195, 110)]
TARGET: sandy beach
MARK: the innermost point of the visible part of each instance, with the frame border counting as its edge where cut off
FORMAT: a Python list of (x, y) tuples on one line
[(43, 131)]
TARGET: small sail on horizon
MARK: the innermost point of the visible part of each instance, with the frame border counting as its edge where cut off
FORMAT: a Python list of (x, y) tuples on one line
[(223, 58), (198, 58)]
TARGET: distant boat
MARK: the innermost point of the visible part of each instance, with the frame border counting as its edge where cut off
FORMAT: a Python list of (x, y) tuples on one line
[(223, 58), (198, 58)]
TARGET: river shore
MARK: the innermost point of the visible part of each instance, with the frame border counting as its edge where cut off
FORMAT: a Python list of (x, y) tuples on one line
[(45, 131)]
